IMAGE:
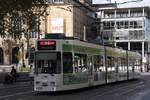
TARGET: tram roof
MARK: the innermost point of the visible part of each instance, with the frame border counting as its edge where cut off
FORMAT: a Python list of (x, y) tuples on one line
[(111, 50)]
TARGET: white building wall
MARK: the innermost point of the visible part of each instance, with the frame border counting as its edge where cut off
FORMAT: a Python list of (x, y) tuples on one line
[(147, 29)]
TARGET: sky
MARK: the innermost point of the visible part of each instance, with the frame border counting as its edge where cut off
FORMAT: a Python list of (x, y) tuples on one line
[(133, 4)]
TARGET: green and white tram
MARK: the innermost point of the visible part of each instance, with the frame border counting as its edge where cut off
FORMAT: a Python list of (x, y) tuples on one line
[(72, 64)]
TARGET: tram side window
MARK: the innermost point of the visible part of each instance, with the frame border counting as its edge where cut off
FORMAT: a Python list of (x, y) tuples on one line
[(67, 62), (137, 64), (113, 67), (140, 64), (98, 63), (119, 65), (123, 64), (110, 63), (80, 63), (116, 63), (131, 64)]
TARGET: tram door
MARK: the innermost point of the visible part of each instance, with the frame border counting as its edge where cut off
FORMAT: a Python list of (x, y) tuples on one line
[(90, 64)]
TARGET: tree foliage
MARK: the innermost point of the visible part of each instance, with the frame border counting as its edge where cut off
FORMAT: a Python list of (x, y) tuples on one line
[(14, 14)]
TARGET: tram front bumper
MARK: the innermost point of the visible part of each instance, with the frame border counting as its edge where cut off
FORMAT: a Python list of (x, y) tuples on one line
[(44, 89), (45, 86)]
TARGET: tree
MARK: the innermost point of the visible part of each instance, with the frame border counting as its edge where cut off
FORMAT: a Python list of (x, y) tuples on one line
[(17, 17), (15, 13)]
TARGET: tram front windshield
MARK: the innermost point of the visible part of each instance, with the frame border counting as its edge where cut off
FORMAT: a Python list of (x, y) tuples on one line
[(48, 63)]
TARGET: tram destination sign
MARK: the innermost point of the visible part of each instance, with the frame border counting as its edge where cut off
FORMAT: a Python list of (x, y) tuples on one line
[(46, 45)]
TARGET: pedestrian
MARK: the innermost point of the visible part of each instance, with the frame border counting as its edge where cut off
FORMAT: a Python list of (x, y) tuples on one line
[(13, 73)]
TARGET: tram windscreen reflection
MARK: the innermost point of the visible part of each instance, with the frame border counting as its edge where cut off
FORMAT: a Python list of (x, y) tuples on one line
[(48, 63)]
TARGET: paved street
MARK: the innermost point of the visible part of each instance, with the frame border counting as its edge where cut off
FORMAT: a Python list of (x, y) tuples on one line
[(129, 90)]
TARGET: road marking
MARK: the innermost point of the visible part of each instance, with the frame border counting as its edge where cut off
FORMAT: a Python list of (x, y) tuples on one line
[(16, 94)]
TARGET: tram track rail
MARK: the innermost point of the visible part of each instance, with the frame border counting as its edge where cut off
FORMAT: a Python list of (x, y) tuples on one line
[(125, 90)]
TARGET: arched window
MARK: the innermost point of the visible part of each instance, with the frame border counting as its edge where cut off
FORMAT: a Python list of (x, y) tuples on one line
[(15, 55), (1, 56)]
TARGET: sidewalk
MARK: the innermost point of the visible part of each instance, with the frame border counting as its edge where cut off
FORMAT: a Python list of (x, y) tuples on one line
[(14, 85), (23, 77)]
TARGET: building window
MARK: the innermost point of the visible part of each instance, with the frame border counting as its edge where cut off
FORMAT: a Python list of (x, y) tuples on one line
[(136, 35), (58, 1), (34, 35), (15, 55), (136, 14), (108, 25), (131, 24), (80, 63)]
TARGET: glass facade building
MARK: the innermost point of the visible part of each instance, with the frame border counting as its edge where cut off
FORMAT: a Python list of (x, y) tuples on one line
[(126, 28)]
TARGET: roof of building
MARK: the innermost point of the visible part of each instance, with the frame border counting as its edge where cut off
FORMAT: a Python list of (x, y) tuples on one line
[(113, 6), (105, 5)]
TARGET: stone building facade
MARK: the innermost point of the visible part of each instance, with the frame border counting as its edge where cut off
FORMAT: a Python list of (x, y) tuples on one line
[(70, 18)]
